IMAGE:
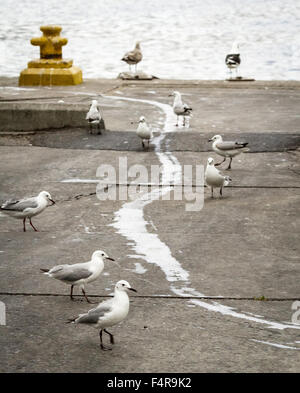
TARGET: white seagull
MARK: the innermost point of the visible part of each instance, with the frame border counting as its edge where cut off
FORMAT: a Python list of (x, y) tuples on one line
[(144, 131), (179, 108), (94, 116), (27, 208), (214, 178), (108, 313), (133, 57), (233, 59), (227, 149), (79, 273)]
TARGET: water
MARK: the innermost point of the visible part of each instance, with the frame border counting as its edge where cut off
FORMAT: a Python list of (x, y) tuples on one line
[(181, 39)]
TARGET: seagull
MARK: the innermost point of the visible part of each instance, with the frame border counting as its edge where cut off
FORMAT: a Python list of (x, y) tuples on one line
[(133, 57), (227, 149), (144, 131), (214, 178), (179, 108), (79, 273), (27, 208), (233, 59), (93, 116), (108, 313)]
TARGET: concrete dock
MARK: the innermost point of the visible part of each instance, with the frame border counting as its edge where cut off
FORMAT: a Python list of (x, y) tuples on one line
[(236, 308)]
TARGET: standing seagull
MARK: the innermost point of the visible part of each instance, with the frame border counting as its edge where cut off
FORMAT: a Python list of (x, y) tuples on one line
[(27, 208), (133, 57), (108, 313), (179, 108), (214, 178), (80, 273), (144, 131), (233, 59), (93, 116), (227, 149)]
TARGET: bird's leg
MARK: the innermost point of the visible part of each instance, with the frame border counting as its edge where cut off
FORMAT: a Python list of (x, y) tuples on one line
[(183, 121), (221, 191), (24, 227), (212, 192), (177, 121), (112, 341), (101, 343), (229, 166), (87, 299), (219, 163), (71, 293), (32, 225), (99, 130)]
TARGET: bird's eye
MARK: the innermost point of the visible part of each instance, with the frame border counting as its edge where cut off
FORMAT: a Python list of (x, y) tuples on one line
[(123, 285)]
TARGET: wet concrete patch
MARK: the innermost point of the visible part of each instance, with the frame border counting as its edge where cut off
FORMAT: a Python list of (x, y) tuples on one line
[(79, 138)]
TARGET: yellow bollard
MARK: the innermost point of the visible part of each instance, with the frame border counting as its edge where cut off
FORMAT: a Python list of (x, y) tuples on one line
[(51, 68)]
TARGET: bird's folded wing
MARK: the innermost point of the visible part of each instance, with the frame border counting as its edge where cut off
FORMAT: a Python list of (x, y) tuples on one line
[(133, 56), (187, 108), (20, 205), (229, 145), (69, 273), (94, 314), (233, 57)]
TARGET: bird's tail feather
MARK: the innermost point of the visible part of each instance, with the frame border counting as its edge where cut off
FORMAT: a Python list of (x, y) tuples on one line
[(227, 180), (71, 320)]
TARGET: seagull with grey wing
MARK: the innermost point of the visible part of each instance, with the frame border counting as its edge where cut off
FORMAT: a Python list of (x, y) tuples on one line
[(233, 59), (79, 273), (107, 313), (94, 116), (228, 149), (214, 178), (179, 108), (144, 131), (133, 57), (27, 207)]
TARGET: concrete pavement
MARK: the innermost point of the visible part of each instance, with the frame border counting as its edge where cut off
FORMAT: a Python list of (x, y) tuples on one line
[(235, 250)]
